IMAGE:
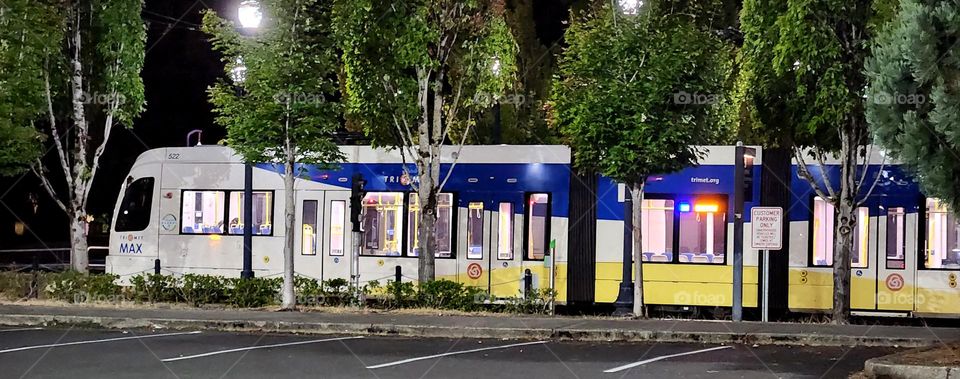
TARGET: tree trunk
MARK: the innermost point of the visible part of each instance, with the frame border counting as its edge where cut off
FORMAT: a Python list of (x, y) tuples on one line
[(79, 259), (426, 234), (289, 301), (843, 231), (636, 195)]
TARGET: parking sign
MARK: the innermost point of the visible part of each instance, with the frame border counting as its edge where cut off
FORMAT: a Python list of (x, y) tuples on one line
[(766, 225)]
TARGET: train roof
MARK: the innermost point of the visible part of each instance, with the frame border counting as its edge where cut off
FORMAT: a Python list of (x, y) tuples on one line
[(555, 154)]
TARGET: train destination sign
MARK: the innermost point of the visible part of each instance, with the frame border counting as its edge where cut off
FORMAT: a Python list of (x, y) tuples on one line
[(766, 228)]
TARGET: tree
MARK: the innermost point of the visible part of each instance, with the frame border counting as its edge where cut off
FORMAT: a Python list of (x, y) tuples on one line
[(75, 77), (416, 72), (802, 79), (285, 109), (25, 39), (636, 93), (914, 84)]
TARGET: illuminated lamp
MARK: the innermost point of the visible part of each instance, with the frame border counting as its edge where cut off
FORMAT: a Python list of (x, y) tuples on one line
[(706, 208), (19, 228), (684, 207)]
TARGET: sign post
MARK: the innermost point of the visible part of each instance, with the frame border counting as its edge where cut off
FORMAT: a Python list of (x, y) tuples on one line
[(766, 227)]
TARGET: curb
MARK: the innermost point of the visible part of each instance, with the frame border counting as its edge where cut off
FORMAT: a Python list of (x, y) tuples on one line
[(882, 368), (389, 329)]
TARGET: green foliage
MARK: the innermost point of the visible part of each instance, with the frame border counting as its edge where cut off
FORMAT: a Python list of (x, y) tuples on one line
[(914, 93), (254, 292), (20, 285), (449, 47), (203, 289), (400, 294), (289, 92), (536, 301), (72, 286), (445, 294), (155, 288), (635, 93)]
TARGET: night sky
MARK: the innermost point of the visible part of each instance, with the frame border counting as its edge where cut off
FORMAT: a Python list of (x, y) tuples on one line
[(179, 67)]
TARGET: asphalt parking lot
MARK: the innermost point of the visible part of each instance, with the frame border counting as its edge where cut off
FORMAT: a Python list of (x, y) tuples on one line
[(78, 353)]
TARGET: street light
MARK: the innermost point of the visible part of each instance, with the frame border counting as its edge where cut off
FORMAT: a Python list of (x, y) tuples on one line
[(249, 14)]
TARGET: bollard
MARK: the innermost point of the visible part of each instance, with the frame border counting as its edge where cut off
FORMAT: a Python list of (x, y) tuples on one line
[(527, 282), (397, 275), (156, 266)]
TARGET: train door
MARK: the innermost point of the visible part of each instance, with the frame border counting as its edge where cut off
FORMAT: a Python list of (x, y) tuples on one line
[(505, 260), (474, 261), (308, 231), (863, 261), (897, 270), (337, 236)]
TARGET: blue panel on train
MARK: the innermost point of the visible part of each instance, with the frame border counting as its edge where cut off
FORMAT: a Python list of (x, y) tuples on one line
[(481, 179)]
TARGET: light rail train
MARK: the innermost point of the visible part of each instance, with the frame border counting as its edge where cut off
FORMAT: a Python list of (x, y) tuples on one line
[(506, 210)]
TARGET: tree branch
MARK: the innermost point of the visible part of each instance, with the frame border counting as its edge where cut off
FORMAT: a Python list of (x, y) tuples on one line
[(804, 173), (61, 153), (38, 171), (818, 153)]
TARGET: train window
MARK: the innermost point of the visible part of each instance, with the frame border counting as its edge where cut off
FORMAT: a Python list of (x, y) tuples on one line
[(134, 214), (824, 218), (861, 239), (943, 235), (475, 230), (538, 225), (505, 232), (202, 212), (703, 232), (896, 238), (382, 223), (444, 226), (308, 227), (262, 213), (657, 230), (338, 222)]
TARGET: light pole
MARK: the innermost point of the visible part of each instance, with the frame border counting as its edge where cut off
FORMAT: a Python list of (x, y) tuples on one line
[(624, 302), (250, 17), (738, 232)]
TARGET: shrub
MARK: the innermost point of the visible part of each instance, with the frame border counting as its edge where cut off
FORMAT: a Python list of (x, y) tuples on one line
[(309, 291), (203, 289), (400, 294), (66, 286), (446, 294), (102, 287), (537, 301), (20, 285), (254, 292), (154, 288)]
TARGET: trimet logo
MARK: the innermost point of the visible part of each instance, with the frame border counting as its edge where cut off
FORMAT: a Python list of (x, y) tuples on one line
[(131, 244)]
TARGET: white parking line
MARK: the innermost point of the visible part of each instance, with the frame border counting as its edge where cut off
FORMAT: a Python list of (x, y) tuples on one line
[(18, 330), (93, 341), (645, 361), (453, 353), (256, 347)]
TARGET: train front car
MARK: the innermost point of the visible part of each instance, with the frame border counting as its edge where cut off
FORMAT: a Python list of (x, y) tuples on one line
[(502, 216), (688, 235)]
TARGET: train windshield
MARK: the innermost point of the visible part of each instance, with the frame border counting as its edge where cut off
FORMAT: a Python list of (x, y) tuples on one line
[(135, 207)]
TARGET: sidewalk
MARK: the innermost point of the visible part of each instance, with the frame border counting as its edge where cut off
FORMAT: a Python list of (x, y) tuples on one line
[(511, 327)]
